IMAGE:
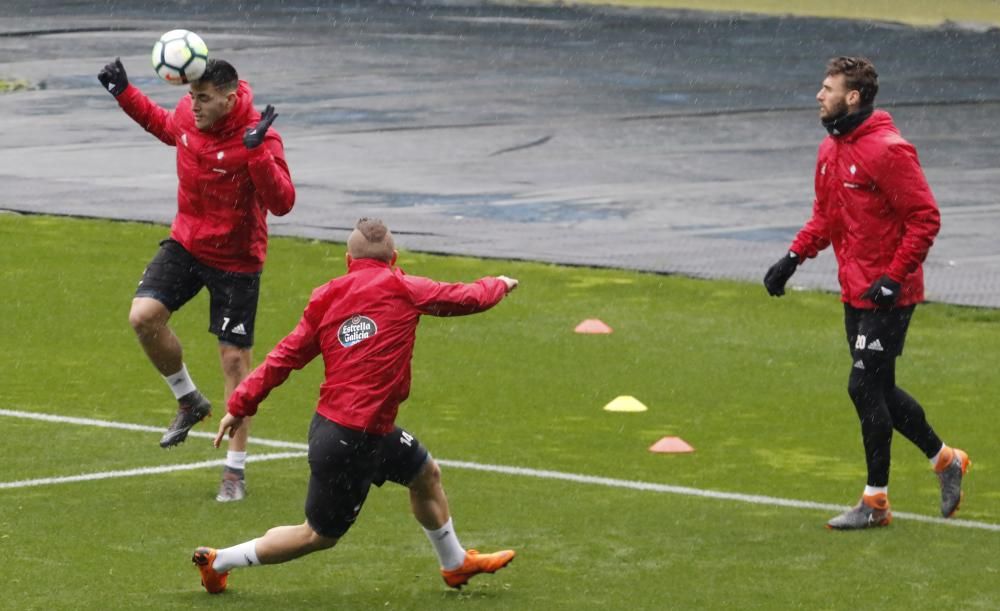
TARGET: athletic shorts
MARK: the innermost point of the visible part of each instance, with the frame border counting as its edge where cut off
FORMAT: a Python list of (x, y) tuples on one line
[(875, 334), (174, 277), (344, 463)]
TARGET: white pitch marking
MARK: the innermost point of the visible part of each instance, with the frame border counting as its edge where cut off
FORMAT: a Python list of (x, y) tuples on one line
[(458, 464), (125, 426), (87, 477), (711, 494)]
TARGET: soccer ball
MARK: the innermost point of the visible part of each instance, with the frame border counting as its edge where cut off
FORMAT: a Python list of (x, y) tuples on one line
[(179, 57)]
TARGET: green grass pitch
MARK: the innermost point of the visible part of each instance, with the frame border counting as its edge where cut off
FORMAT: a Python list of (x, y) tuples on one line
[(756, 385)]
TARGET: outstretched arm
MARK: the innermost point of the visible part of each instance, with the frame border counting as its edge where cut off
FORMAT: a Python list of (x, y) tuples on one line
[(457, 299)]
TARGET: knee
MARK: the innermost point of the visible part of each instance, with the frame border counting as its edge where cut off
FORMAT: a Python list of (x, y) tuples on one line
[(317, 542), (865, 379), (867, 394), (235, 361), (144, 321), (428, 479), (306, 540), (856, 385)]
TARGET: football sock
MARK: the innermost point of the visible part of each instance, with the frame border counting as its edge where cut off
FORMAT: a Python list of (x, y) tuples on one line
[(236, 461), (450, 552), (244, 554), (873, 490), (180, 382), (942, 458)]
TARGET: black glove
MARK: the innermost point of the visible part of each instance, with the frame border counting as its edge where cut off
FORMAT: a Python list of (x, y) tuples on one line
[(779, 273), (255, 135), (884, 292), (113, 77)]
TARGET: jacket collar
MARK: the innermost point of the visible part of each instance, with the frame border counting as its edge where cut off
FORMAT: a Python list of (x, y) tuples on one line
[(878, 121), (847, 122), (360, 264)]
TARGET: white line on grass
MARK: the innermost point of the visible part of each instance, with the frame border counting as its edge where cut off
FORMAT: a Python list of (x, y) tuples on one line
[(86, 477), (125, 426), (458, 464), (711, 494)]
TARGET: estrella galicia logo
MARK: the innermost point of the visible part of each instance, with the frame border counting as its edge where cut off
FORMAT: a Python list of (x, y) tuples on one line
[(356, 329)]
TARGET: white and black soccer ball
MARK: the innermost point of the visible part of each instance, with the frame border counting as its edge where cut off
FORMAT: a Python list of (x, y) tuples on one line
[(179, 57)]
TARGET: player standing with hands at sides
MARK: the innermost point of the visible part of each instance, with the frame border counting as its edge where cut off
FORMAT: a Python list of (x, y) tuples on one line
[(874, 206), (364, 325), (231, 172)]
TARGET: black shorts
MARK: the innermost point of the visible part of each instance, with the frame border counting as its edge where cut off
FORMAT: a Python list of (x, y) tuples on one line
[(344, 463), (876, 334), (174, 277)]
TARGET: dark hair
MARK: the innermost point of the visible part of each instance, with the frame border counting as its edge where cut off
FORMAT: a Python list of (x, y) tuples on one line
[(859, 74), (221, 74)]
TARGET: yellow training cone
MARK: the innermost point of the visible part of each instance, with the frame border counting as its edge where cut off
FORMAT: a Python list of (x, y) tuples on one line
[(625, 403)]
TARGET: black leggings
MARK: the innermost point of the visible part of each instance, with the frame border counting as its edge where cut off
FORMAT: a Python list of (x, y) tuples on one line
[(882, 406)]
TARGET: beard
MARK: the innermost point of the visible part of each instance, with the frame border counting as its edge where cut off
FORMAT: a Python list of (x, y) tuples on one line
[(836, 111)]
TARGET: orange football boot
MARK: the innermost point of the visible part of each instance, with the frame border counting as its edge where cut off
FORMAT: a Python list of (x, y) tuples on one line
[(474, 564), (213, 581)]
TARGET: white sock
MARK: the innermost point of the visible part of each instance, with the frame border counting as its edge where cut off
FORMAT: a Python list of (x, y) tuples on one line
[(180, 382), (872, 490), (244, 554), (450, 552), (236, 460), (937, 456)]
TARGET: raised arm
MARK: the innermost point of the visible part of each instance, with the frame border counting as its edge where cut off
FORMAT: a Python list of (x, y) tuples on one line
[(145, 112), (267, 166)]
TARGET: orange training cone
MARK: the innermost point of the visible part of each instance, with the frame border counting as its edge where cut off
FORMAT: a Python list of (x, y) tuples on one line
[(671, 445), (593, 326)]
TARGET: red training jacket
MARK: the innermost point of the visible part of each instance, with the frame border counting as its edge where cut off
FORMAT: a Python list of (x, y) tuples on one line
[(224, 190), (364, 324), (874, 205)]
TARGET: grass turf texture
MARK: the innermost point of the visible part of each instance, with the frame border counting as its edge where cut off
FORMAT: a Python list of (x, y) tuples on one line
[(919, 12), (757, 385)]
